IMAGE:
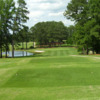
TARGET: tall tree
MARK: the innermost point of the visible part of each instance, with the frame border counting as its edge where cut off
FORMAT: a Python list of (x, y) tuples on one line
[(1, 28), (12, 19), (85, 13), (19, 19), (9, 10), (7, 7), (94, 14)]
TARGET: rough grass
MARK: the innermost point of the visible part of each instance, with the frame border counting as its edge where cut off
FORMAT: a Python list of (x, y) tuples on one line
[(56, 74)]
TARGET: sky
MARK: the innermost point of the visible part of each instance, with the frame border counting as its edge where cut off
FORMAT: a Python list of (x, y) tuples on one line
[(47, 10)]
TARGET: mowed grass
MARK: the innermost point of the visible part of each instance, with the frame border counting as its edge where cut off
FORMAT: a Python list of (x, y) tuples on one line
[(56, 74)]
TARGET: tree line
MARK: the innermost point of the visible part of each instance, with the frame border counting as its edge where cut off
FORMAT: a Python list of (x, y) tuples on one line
[(85, 33), (86, 14), (12, 19), (49, 33)]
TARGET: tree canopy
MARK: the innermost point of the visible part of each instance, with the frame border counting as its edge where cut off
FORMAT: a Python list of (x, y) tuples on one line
[(12, 20), (86, 14), (49, 32)]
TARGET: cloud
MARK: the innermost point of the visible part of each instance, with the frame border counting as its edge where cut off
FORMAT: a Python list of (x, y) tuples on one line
[(50, 6), (34, 14), (47, 10), (56, 14)]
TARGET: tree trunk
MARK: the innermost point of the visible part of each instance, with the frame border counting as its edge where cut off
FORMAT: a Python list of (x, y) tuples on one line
[(33, 44), (1, 46), (23, 53), (93, 50), (26, 53), (6, 52), (22, 45), (6, 49), (83, 51), (12, 48), (87, 51), (97, 51), (1, 52), (26, 45)]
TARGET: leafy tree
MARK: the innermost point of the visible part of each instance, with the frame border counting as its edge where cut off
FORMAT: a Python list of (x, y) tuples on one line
[(19, 19), (70, 31), (85, 13), (9, 10), (12, 19), (94, 14), (7, 7), (1, 23), (23, 36), (47, 33)]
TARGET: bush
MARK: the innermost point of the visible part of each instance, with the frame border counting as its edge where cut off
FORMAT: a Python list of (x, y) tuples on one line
[(67, 45), (31, 47)]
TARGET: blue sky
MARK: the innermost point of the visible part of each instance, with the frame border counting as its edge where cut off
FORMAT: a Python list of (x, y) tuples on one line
[(47, 10)]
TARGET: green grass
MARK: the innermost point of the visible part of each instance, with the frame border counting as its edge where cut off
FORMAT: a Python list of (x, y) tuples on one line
[(56, 74)]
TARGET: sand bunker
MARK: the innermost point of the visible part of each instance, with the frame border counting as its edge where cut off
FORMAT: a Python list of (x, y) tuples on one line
[(38, 51)]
